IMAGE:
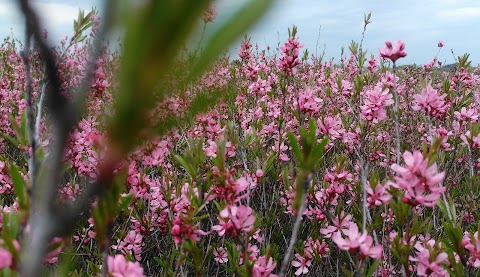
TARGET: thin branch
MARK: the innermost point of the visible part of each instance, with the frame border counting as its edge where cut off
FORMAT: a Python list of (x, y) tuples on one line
[(64, 115), (296, 227), (32, 161), (39, 111), (395, 111)]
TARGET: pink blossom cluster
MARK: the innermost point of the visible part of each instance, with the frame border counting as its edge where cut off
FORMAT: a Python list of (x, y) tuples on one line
[(357, 242), (235, 219), (289, 59), (5, 181), (84, 142), (378, 195), (6, 258), (183, 230), (430, 102), (393, 52), (118, 266), (209, 14), (430, 259), (308, 102), (420, 181), (472, 245), (131, 245), (374, 101)]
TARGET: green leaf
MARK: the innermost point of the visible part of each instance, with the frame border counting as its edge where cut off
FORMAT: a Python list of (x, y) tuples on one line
[(24, 126), (18, 185), (153, 40), (372, 268), (21, 138), (295, 147), (185, 165), (318, 151), (10, 138), (299, 194), (346, 271), (268, 165), (125, 202)]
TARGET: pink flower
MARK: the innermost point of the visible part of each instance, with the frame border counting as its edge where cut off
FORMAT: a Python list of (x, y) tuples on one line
[(430, 102), (210, 14), (430, 259), (340, 224), (419, 180), (131, 244), (119, 267), (472, 245), (331, 126), (440, 44), (303, 263), (315, 247), (378, 195), (220, 255), (393, 53), (374, 101), (55, 247), (289, 59), (264, 267), (6, 258), (257, 236), (372, 64), (467, 114), (309, 102), (245, 52), (234, 219), (469, 139), (430, 65), (252, 253), (281, 156), (356, 241), (183, 230), (212, 149)]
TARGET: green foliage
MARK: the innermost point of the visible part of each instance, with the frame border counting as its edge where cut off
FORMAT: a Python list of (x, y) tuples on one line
[(19, 187), (10, 231), (81, 24), (308, 157), (21, 131), (229, 32)]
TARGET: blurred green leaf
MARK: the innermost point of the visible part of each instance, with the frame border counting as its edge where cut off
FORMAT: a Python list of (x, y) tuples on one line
[(19, 134), (229, 32), (295, 147), (18, 186), (153, 40), (372, 268)]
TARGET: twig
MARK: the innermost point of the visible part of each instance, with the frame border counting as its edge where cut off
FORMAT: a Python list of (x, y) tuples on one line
[(39, 111), (44, 219), (32, 161), (364, 166), (395, 109), (296, 227)]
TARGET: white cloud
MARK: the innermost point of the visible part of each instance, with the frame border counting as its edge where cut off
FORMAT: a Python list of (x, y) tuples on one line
[(419, 23), (55, 15), (8, 10), (465, 13)]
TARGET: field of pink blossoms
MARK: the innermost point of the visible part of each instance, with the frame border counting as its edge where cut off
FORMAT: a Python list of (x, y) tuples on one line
[(302, 167)]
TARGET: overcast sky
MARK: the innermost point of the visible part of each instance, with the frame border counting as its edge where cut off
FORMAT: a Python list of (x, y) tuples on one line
[(420, 24)]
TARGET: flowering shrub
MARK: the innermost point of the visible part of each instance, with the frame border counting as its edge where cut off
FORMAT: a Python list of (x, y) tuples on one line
[(303, 167)]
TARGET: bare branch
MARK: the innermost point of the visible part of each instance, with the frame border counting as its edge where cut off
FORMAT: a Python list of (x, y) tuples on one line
[(64, 115)]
